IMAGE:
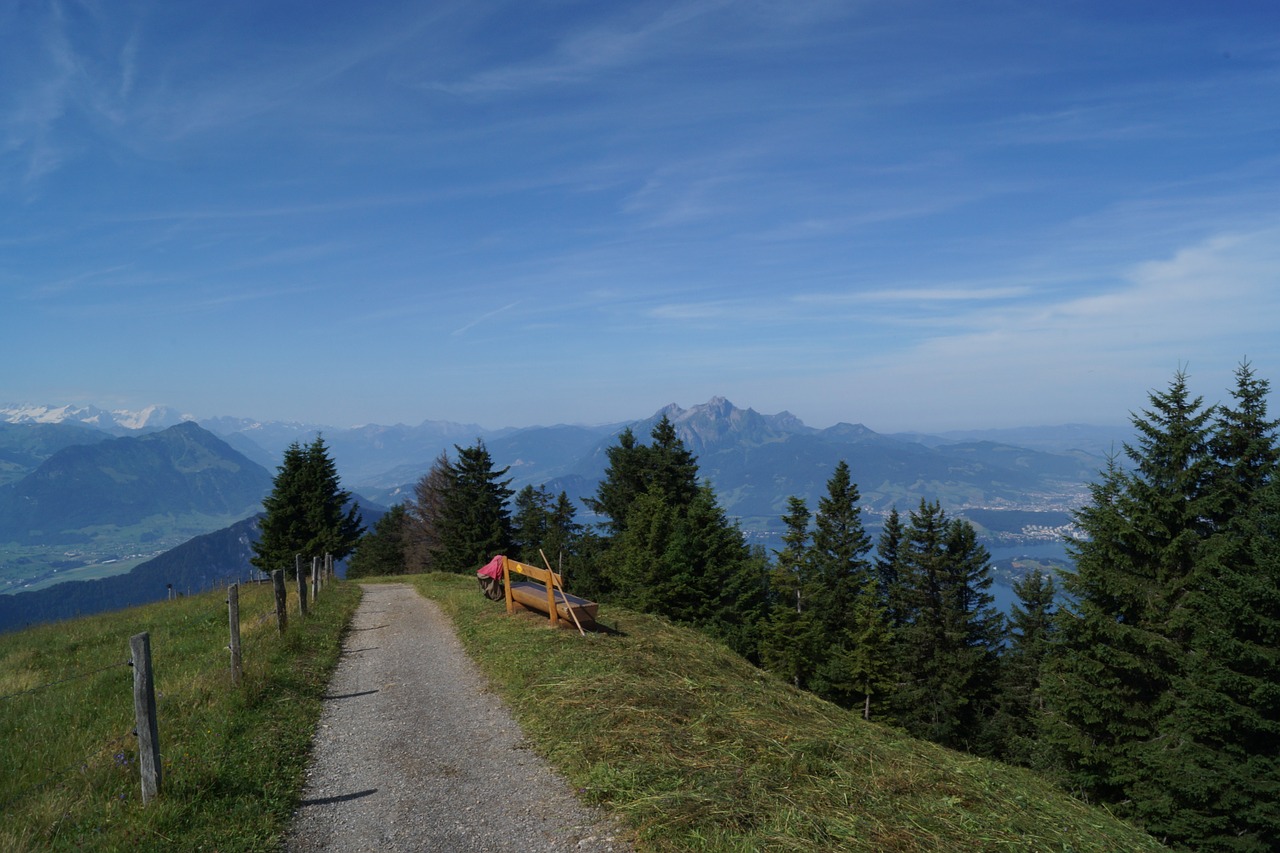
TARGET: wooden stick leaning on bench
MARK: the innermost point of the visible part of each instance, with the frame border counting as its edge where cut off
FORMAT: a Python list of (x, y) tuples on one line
[(531, 596), (555, 578)]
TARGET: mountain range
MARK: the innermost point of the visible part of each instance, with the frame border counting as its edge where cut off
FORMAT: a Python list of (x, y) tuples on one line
[(85, 491)]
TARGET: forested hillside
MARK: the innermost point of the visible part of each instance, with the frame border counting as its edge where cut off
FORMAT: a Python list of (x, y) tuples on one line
[(1155, 689)]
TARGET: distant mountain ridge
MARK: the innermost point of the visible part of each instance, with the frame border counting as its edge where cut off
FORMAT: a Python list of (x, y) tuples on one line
[(121, 481), (71, 476), (117, 421)]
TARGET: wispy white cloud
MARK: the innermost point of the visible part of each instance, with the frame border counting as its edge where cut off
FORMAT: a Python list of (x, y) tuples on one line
[(484, 318), (633, 37)]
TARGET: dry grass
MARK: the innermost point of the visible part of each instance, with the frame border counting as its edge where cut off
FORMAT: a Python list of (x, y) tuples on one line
[(698, 750)]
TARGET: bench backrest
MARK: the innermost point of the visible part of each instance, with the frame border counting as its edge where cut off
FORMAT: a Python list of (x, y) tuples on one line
[(544, 575)]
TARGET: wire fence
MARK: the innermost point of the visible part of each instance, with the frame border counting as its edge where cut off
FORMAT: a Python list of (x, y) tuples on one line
[(67, 680), (120, 747)]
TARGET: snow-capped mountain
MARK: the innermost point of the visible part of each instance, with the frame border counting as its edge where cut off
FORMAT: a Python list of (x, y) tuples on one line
[(149, 418)]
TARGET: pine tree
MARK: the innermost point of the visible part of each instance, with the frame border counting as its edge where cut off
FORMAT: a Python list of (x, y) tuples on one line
[(307, 512), (1015, 728), (841, 574), (1123, 640), (792, 642), (625, 478), (671, 550), (475, 523), (945, 652), (1209, 775), (888, 584), (423, 518), (381, 551), (531, 523)]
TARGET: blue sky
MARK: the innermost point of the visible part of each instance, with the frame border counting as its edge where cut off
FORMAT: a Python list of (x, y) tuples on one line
[(914, 215)]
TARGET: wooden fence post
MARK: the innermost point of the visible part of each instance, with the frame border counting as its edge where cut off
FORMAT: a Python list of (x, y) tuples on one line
[(302, 590), (282, 602), (315, 578), (144, 709), (233, 619)]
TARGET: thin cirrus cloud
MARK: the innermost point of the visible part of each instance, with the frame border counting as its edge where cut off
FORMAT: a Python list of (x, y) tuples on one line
[(775, 199)]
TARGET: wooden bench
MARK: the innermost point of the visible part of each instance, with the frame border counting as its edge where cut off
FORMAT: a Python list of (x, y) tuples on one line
[(545, 593)]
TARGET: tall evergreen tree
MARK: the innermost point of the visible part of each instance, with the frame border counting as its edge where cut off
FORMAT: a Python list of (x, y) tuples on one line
[(475, 522), (792, 641), (530, 522), (1163, 693), (307, 512), (333, 519), (842, 574), (671, 467), (424, 518), (1209, 775), (625, 478), (888, 584), (866, 664), (562, 543), (839, 551), (671, 550), (945, 652), (1122, 639), (1015, 728), (381, 550)]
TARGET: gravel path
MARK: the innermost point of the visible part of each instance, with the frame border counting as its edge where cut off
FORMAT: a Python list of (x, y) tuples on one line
[(414, 754)]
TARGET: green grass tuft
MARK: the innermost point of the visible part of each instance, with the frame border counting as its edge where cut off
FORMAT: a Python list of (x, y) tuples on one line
[(233, 759), (698, 750)]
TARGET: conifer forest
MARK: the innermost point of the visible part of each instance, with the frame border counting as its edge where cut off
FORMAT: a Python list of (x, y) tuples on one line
[(1145, 676)]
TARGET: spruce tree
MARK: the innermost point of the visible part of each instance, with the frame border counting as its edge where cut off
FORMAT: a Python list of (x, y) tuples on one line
[(671, 467), (841, 574), (423, 518), (671, 550), (1163, 694), (307, 512), (563, 537), (381, 550), (625, 478), (530, 523), (1209, 775), (1110, 666), (1015, 728), (866, 656), (888, 585), (792, 641), (334, 521), (475, 522), (945, 652), (839, 551)]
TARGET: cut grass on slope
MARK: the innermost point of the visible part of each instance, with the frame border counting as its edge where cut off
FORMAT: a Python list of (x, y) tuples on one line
[(698, 750), (233, 759)]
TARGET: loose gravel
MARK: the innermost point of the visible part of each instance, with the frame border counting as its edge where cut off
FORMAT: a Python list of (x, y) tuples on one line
[(413, 753)]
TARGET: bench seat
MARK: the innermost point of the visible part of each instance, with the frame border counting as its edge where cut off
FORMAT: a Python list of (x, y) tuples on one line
[(534, 596)]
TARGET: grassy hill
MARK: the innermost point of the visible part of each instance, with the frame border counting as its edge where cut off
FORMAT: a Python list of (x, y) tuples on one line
[(684, 742), (233, 758), (698, 750)]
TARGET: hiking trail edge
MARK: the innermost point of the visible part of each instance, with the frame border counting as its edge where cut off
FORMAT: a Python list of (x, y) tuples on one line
[(414, 753)]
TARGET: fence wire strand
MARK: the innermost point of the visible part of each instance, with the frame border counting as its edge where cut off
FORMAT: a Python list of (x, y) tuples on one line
[(66, 680)]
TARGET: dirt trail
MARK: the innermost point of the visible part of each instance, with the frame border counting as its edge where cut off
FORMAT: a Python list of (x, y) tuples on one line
[(413, 752)]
